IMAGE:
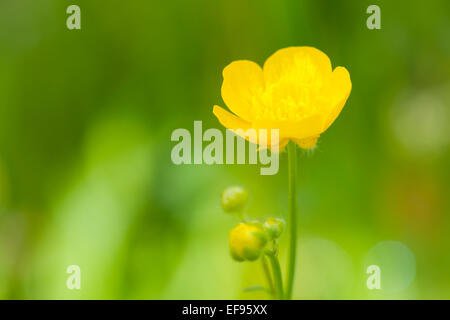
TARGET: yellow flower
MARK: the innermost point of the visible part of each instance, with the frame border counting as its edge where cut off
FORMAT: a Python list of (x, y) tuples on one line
[(247, 240), (296, 91)]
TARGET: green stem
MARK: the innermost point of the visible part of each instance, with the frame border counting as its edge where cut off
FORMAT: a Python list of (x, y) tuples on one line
[(268, 276), (241, 215), (292, 218), (276, 270)]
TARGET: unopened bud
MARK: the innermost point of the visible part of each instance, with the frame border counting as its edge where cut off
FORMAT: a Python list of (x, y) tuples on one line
[(274, 227), (234, 199), (247, 241)]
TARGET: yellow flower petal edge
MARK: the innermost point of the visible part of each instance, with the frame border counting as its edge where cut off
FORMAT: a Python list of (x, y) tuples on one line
[(296, 91), (229, 120), (239, 127), (242, 81)]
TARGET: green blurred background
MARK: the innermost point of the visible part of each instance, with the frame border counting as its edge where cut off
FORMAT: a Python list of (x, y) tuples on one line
[(86, 177)]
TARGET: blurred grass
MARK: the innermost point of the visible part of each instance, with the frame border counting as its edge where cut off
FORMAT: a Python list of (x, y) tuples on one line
[(85, 171)]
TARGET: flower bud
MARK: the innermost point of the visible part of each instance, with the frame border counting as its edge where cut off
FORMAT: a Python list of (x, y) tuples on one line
[(274, 227), (234, 199), (247, 241)]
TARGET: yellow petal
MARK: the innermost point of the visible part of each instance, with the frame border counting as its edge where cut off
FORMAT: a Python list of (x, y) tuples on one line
[(243, 81), (334, 95), (302, 65), (229, 120), (305, 128), (246, 130), (235, 124)]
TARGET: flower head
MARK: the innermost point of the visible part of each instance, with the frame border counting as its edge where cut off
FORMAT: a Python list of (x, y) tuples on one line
[(247, 240), (296, 91)]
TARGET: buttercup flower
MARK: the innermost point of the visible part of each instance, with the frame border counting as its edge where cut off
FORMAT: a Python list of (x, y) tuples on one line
[(296, 91)]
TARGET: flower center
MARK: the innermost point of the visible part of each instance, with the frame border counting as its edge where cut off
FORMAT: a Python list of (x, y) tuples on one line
[(292, 97)]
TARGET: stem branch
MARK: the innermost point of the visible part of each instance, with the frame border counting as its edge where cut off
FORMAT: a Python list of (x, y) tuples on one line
[(276, 270), (268, 276)]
